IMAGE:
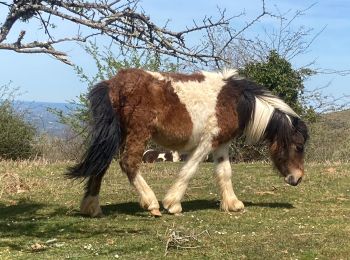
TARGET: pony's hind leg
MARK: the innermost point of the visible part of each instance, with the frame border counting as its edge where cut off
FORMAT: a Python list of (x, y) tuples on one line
[(229, 201), (172, 200), (90, 204), (130, 164)]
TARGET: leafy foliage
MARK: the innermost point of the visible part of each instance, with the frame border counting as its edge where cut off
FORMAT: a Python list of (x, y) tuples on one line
[(277, 75), (16, 135)]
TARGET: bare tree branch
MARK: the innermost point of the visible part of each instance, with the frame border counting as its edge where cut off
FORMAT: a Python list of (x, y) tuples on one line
[(121, 20), (236, 49)]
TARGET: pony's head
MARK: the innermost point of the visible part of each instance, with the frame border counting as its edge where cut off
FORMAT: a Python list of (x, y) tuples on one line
[(264, 116), (287, 136)]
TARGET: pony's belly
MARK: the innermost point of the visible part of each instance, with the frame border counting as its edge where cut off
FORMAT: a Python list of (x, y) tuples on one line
[(172, 140)]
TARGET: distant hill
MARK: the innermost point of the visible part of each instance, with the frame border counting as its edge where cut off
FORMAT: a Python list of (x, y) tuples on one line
[(330, 137), (341, 116), (38, 115)]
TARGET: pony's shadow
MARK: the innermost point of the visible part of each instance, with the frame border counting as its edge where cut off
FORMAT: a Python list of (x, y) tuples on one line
[(133, 208), (283, 205), (127, 208), (195, 205)]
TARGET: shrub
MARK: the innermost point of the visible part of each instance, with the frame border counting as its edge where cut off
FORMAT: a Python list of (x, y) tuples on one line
[(16, 135)]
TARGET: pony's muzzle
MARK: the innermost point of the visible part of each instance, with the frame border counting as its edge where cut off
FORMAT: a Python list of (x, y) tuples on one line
[(293, 180)]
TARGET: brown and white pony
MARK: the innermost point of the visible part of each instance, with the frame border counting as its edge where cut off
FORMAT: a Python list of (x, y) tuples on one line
[(211, 109), (151, 156)]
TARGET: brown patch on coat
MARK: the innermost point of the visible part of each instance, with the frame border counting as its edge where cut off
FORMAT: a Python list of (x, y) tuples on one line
[(226, 114), (184, 77), (148, 108)]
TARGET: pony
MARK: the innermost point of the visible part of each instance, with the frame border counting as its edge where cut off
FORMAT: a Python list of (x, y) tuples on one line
[(151, 156), (198, 114)]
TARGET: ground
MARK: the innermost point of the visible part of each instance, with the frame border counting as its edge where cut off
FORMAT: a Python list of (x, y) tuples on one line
[(39, 215)]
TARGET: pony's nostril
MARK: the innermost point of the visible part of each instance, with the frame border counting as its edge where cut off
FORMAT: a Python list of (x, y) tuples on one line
[(291, 180), (299, 180)]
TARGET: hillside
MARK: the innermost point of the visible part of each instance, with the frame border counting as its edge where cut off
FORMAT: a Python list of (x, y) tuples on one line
[(330, 137), (44, 121)]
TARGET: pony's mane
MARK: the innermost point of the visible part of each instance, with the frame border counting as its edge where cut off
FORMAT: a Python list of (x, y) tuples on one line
[(264, 109), (256, 107), (224, 74), (228, 73)]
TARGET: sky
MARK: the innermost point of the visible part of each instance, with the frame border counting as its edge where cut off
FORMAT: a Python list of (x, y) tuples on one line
[(42, 78)]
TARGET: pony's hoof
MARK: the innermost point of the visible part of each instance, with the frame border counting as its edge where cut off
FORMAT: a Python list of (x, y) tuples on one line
[(94, 213), (90, 207), (155, 213), (173, 208), (98, 215), (232, 205)]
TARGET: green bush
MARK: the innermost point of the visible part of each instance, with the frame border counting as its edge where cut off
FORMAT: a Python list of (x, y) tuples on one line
[(278, 76), (16, 135)]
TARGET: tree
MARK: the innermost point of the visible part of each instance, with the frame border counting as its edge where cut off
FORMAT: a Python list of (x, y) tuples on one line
[(121, 20), (278, 35), (288, 41)]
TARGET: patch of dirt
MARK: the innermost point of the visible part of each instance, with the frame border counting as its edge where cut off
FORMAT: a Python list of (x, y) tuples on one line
[(331, 170), (38, 247)]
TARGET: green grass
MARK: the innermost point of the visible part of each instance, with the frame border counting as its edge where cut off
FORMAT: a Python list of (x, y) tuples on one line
[(39, 216)]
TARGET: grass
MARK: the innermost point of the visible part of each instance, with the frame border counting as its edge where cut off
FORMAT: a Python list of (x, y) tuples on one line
[(330, 138), (39, 216)]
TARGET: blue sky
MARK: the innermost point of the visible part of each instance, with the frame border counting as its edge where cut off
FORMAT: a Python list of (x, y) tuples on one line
[(42, 78)]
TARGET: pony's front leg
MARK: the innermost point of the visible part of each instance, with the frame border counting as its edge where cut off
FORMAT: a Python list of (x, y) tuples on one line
[(229, 201), (172, 200), (148, 199)]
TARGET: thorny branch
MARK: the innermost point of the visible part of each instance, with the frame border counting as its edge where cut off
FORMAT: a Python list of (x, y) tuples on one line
[(121, 20)]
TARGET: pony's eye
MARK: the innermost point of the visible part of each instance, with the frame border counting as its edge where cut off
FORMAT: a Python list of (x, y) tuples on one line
[(299, 148)]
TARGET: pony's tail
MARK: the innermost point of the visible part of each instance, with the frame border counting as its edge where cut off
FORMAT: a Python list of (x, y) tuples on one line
[(105, 135)]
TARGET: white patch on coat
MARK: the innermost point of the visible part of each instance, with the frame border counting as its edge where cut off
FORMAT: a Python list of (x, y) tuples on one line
[(161, 156), (176, 156), (200, 100), (264, 108)]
